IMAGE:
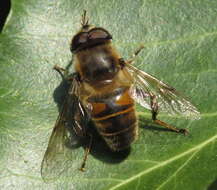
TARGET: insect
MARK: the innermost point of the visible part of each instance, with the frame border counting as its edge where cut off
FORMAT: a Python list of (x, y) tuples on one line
[(104, 89)]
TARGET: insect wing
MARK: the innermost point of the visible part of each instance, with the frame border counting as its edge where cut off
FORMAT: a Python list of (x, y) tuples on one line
[(168, 99), (58, 156)]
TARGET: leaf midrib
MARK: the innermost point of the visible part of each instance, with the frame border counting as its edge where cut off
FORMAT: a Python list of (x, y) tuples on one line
[(163, 163)]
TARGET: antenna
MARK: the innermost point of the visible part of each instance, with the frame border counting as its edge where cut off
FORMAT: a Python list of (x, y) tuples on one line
[(84, 20)]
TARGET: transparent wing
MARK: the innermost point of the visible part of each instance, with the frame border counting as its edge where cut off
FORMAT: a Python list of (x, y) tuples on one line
[(169, 100), (58, 156)]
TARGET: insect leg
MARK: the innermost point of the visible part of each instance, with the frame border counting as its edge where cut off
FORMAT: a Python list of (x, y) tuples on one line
[(63, 72), (87, 151), (122, 62), (154, 107), (132, 59)]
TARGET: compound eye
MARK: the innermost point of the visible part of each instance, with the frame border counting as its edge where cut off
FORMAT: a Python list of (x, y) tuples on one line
[(78, 40), (82, 38), (99, 33)]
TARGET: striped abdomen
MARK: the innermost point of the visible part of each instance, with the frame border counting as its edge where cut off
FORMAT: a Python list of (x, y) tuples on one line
[(114, 117)]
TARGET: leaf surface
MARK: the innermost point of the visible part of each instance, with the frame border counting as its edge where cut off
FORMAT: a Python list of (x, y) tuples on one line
[(180, 39)]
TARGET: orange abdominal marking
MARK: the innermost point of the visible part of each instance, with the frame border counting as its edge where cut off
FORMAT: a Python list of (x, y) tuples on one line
[(114, 114), (97, 108), (125, 99)]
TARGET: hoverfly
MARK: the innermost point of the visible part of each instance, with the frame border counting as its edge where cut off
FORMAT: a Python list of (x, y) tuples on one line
[(103, 89)]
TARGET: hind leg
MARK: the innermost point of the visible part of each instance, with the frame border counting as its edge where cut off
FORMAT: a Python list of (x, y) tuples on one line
[(154, 107)]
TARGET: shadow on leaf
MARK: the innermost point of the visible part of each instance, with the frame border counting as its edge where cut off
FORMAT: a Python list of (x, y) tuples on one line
[(213, 185)]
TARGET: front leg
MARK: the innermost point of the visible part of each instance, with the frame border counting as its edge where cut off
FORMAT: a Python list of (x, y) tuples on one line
[(63, 72), (135, 54), (122, 62)]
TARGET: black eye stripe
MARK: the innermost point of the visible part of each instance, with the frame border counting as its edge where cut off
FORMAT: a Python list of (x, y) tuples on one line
[(87, 39), (97, 34), (80, 37), (102, 33), (83, 38)]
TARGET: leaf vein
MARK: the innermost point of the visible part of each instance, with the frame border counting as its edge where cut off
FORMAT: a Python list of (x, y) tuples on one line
[(178, 170), (163, 163)]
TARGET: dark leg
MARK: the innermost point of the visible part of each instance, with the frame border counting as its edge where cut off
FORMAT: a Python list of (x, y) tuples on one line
[(63, 72), (87, 151), (154, 107), (135, 54), (122, 62)]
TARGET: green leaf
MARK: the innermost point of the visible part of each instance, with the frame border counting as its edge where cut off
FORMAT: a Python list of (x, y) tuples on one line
[(180, 39)]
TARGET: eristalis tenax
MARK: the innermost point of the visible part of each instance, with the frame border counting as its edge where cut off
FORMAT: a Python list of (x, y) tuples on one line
[(104, 89)]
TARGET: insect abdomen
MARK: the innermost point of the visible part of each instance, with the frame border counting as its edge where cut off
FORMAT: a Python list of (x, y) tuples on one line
[(115, 119)]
